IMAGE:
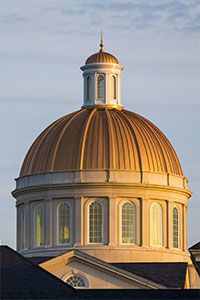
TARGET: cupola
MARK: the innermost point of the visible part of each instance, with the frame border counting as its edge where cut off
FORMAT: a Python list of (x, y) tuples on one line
[(102, 80)]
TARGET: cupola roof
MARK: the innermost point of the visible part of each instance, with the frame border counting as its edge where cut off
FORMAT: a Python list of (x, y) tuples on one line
[(101, 56)]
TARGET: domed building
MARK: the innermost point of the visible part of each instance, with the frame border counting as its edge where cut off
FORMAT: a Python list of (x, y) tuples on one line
[(101, 197)]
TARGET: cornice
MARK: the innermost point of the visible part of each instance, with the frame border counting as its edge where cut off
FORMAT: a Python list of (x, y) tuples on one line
[(141, 186)]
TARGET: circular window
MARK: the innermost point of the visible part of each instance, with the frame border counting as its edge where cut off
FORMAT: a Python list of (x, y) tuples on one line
[(76, 281)]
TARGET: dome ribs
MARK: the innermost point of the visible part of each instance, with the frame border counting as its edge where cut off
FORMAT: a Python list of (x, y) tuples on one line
[(128, 147), (99, 139), (36, 165), (174, 168), (62, 132), (111, 150), (158, 161), (118, 146), (102, 57), (128, 121), (139, 138), (84, 137)]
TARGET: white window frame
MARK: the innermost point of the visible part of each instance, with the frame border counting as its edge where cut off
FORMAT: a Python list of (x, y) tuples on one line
[(175, 207), (135, 228), (70, 207), (112, 85), (103, 218), (97, 94)]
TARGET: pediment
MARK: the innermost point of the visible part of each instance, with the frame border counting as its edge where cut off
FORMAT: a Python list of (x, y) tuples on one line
[(97, 273)]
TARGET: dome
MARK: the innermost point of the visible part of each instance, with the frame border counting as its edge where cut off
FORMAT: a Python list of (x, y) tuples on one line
[(102, 57), (99, 139)]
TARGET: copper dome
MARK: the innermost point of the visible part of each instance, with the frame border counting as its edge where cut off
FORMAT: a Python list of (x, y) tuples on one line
[(102, 57), (101, 139)]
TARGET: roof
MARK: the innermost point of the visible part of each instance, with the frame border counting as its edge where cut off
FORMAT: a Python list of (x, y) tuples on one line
[(99, 139), (195, 246), (92, 261), (20, 279), (145, 294), (38, 259), (102, 57), (171, 275)]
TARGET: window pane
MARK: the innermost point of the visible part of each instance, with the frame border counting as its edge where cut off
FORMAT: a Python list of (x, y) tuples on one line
[(101, 87), (64, 224), (89, 86), (96, 223), (128, 223), (76, 281), (114, 92), (175, 227), (39, 226), (156, 224)]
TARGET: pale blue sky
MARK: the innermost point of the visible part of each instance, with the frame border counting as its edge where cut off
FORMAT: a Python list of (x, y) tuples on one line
[(43, 45)]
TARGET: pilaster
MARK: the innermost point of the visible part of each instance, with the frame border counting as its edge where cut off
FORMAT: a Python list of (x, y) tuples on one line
[(170, 224), (48, 223), (113, 226), (145, 231), (78, 232)]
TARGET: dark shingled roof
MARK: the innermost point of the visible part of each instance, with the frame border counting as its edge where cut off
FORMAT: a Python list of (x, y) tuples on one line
[(170, 275), (38, 260), (196, 246), (130, 294), (20, 279)]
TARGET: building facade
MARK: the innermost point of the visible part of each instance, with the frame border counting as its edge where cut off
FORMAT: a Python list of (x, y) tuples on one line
[(107, 183)]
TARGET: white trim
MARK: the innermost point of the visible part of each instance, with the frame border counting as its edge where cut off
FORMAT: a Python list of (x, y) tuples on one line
[(57, 229), (67, 275), (102, 225), (120, 222)]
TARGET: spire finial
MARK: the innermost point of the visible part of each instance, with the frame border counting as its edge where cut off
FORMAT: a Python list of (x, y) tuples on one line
[(101, 43)]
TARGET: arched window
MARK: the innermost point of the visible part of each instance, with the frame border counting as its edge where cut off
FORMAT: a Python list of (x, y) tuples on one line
[(64, 215), (114, 87), (22, 228), (77, 281), (89, 86), (96, 222), (101, 87), (175, 227), (156, 224), (39, 225), (128, 223)]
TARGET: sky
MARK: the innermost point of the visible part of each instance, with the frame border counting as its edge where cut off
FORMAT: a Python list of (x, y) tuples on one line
[(43, 46)]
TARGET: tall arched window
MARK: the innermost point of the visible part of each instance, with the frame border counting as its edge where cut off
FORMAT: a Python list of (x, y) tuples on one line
[(156, 224), (89, 86), (114, 87), (39, 225), (128, 223), (175, 227), (101, 87), (22, 228), (64, 219), (96, 222)]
